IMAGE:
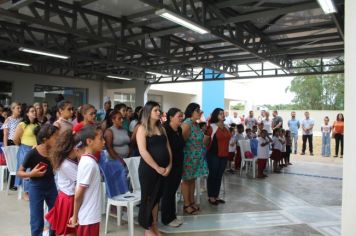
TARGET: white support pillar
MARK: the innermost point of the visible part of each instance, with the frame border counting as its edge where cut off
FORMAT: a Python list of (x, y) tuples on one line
[(349, 173), (141, 90)]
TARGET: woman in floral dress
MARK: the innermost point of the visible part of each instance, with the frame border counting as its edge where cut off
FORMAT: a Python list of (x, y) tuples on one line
[(194, 164)]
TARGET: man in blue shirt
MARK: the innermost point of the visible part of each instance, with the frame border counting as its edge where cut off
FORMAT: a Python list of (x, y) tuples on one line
[(294, 125), (307, 126)]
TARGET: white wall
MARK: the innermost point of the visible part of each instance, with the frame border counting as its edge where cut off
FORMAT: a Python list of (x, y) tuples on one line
[(190, 88), (349, 173), (177, 100)]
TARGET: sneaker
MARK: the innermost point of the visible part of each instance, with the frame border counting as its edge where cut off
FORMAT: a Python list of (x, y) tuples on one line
[(13, 188), (311, 154), (303, 153), (335, 156), (175, 223)]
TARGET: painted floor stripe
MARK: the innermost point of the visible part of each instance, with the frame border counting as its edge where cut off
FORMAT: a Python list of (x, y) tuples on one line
[(315, 176)]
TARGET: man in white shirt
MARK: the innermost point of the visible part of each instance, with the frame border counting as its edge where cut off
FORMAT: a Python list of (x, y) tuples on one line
[(227, 120), (236, 119), (307, 127)]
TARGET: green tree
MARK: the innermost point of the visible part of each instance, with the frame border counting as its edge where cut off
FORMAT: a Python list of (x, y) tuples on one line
[(318, 92), (238, 106)]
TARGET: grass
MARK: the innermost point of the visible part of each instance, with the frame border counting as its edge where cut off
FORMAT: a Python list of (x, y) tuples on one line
[(317, 143)]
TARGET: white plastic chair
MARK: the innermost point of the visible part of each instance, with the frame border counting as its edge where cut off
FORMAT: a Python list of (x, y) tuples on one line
[(247, 162), (128, 200), (2, 177), (10, 153)]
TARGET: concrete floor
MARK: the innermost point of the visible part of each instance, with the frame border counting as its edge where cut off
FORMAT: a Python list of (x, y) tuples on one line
[(305, 200)]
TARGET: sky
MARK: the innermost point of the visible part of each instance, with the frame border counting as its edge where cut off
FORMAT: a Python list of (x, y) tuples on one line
[(263, 90)]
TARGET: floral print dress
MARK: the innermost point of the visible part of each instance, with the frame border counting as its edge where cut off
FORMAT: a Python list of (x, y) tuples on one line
[(194, 164)]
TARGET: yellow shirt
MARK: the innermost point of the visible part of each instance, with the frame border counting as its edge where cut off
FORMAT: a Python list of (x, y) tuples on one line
[(28, 137)]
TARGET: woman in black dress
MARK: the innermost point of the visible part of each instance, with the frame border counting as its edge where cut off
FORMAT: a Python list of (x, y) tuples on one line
[(155, 165), (176, 141)]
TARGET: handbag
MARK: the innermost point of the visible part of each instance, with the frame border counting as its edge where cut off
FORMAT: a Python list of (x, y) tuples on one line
[(2, 159)]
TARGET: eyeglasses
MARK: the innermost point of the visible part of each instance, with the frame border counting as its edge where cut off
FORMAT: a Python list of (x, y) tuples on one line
[(198, 110)]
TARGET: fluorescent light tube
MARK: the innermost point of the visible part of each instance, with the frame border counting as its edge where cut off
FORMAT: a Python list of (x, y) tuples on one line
[(15, 63), (327, 6), (156, 74), (117, 77), (182, 21), (44, 53)]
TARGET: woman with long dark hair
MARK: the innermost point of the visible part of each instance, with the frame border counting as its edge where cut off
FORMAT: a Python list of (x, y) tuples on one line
[(194, 164), (217, 155), (26, 138), (42, 187), (155, 165), (338, 133), (65, 112), (175, 138), (135, 118)]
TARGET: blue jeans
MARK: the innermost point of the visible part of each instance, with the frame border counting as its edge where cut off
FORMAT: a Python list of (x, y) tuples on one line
[(21, 154), (216, 167), (40, 192), (294, 142), (325, 148)]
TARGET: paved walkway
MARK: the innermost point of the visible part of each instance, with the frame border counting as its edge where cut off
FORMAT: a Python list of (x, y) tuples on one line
[(305, 200)]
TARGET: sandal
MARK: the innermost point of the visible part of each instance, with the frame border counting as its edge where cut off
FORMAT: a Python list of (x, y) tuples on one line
[(213, 202), (195, 207), (219, 200), (192, 212)]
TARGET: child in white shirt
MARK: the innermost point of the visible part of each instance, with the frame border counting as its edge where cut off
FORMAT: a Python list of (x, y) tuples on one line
[(263, 152), (87, 202), (232, 149), (276, 155)]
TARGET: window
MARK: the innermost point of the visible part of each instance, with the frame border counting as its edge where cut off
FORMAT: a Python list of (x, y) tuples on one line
[(77, 96), (127, 98), (5, 93)]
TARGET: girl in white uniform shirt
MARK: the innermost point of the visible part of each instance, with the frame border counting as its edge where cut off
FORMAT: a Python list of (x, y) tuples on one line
[(276, 155), (87, 198), (263, 152), (284, 148), (65, 163)]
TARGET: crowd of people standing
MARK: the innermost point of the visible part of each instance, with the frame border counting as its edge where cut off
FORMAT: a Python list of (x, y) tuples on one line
[(175, 149), (295, 126)]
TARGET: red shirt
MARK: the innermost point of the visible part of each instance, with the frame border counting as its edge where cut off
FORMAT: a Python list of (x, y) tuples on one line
[(220, 143)]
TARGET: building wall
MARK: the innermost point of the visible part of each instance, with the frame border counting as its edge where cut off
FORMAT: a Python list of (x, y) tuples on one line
[(349, 173), (177, 100), (23, 85)]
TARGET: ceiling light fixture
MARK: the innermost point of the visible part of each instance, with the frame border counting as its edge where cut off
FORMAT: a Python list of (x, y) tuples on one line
[(44, 53), (118, 77), (15, 63), (327, 6), (182, 21)]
